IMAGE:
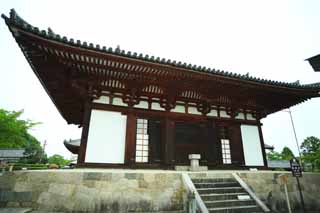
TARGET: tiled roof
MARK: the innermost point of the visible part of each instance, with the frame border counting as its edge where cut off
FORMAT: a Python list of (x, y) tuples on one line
[(17, 21), (315, 62)]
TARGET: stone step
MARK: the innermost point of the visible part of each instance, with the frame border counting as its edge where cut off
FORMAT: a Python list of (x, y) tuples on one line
[(216, 185), (212, 180), (236, 209), (220, 190), (225, 196), (228, 203)]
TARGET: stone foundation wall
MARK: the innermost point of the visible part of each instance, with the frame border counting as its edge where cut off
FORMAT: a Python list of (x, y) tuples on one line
[(268, 187), (75, 191), (138, 191)]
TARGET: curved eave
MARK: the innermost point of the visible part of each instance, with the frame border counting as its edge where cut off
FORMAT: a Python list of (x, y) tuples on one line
[(16, 21), (73, 148), (21, 30), (311, 90), (315, 62)]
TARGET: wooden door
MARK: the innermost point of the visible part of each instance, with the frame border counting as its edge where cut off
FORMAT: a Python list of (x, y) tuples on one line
[(191, 137)]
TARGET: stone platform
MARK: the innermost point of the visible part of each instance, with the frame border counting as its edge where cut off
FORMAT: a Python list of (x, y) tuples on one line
[(118, 190)]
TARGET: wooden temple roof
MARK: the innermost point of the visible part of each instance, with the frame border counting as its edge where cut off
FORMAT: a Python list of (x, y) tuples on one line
[(70, 69), (315, 62)]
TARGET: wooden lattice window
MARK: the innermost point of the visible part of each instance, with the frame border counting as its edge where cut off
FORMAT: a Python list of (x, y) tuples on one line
[(142, 141), (225, 148), (225, 145)]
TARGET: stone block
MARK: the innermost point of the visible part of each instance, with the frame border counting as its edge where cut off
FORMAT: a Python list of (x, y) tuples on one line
[(68, 177), (62, 189), (15, 196), (149, 177), (86, 200), (7, 181), (22, 186), (12, 204), (117, 176), (131, 176), (89, 183), (3, 204), (53, 202), (92, 176), (143, 184), (106, 177), (199, 169), (26, 204)]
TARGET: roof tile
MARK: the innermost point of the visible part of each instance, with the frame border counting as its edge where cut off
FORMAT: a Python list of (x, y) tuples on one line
[(16, 20)]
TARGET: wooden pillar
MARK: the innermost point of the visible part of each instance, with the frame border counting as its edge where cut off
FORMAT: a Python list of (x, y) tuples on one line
[(155, 145), (168, 132), (84, 134), (237, 156), (131, 130), (218, 158), (262, 147), (213, 141)]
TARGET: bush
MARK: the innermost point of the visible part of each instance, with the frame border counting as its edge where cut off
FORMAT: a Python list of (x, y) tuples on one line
[(19, 166)]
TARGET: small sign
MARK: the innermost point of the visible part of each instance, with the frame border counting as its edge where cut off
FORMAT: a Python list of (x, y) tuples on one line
[(295, 168)]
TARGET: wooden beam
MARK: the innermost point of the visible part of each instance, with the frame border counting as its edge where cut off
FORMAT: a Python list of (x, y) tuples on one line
[(130, 139), (168, 130), (265, 162), (84, 135), (237, 156), (213, 140)]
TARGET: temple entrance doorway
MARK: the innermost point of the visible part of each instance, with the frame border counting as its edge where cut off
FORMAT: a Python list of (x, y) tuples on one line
[(191, 137)]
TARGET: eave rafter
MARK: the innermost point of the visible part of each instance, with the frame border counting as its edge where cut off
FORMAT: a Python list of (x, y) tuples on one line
[(72, 72)]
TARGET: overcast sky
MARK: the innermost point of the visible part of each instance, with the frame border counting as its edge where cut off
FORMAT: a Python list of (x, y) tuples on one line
[(268, 39)]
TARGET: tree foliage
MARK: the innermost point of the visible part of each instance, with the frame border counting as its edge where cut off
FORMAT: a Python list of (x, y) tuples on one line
[(14, 134), (310, 149), (274, 155), (286, 154), (58, 159)]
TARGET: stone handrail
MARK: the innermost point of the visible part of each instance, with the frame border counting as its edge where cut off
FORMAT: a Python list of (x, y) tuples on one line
[(251, 193), (192, 189)]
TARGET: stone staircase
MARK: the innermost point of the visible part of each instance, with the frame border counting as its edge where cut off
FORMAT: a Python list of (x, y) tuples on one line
[(220, 195)]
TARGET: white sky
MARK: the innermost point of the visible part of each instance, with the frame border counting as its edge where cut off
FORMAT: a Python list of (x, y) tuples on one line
[(268, 39)]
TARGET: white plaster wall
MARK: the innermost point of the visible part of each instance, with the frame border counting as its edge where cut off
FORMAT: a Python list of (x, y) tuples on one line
[(193, 110), (156, 106), (224, 114), (240, 115), (106, 138), (213, 112), (179, 108), (102, 100), (251, 145), (118, 102), (250, 117), (142, 105)]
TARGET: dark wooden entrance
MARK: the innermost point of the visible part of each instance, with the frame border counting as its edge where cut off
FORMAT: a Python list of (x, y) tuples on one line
[(192, 137)]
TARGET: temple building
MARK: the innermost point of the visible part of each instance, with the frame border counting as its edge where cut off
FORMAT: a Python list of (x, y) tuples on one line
[(140, 111), (315, 62)]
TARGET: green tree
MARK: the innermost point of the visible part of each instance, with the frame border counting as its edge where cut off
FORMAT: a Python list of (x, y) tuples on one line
[(286, 154), (58, 159), (274, 155), (14, 134), (311, 151)]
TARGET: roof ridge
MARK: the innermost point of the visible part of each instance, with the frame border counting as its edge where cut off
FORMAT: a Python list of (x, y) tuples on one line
[(15, 19)]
